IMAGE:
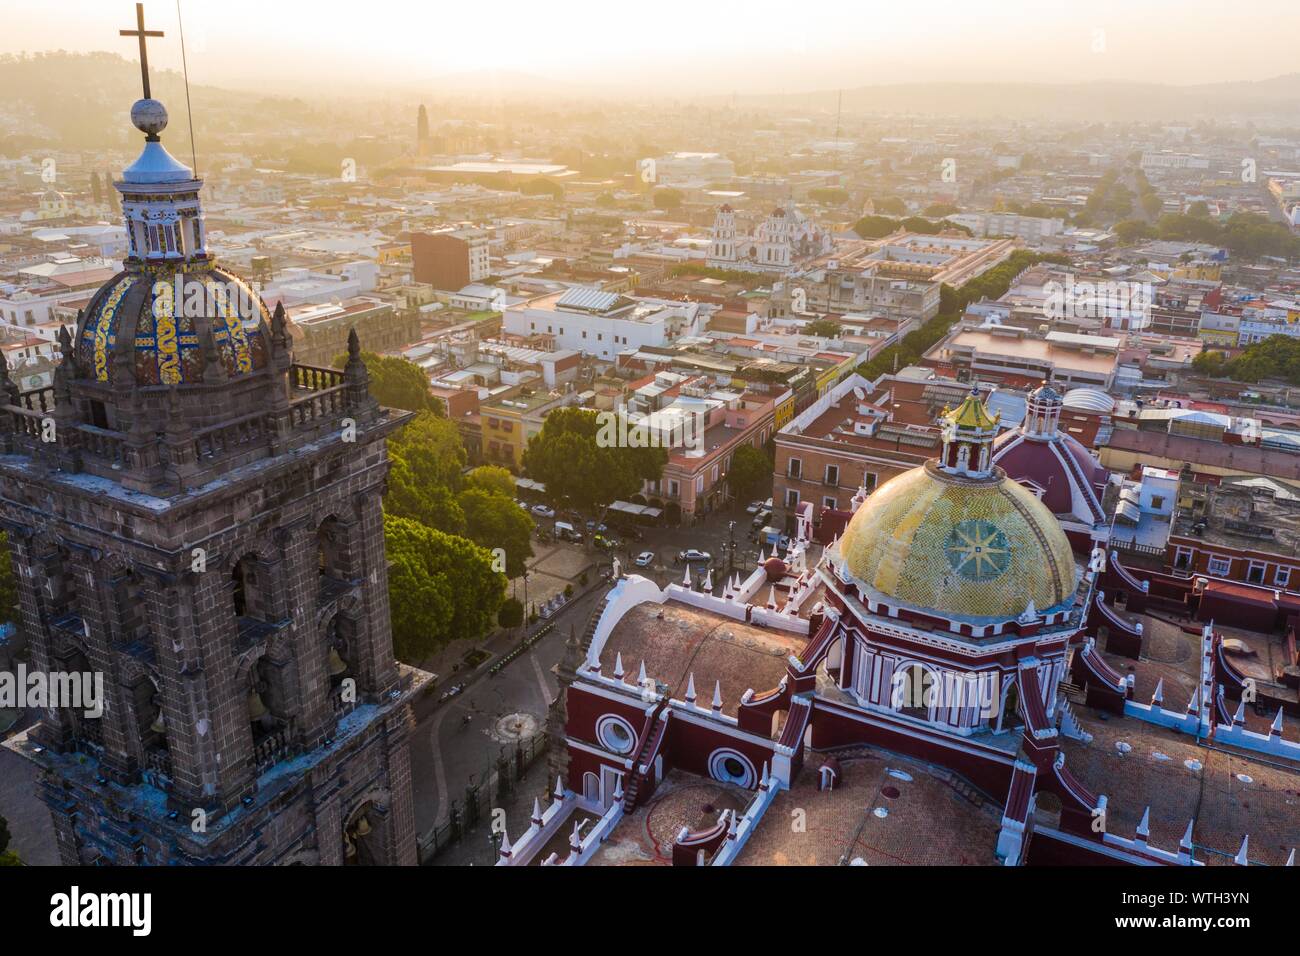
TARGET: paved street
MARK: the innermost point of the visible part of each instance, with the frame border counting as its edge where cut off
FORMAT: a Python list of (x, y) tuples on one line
[(446, 751)]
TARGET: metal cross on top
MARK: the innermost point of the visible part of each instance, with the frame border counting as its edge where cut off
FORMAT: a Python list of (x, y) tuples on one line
[(141, 32)]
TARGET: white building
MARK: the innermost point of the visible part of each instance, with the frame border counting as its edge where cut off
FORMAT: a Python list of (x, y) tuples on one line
[(603, 324), (299, 285), (998, 225)]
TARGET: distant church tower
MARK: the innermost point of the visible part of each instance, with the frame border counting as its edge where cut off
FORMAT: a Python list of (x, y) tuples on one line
[(422, 132), (774, 241), (199, 519), (722, 244)]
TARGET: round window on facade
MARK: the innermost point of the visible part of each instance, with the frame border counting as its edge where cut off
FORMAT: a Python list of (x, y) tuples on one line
[(731, 766), (615, 734)]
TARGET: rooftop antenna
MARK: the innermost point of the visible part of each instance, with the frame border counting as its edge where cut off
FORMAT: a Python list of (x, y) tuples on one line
[(194, 158)]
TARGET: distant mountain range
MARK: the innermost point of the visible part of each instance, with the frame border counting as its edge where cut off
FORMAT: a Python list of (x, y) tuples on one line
[(81, 100)]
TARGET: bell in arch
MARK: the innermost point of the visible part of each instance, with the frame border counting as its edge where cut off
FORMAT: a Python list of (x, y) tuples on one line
[(335, 664), (363, 827), (158, 726), (256, 709)]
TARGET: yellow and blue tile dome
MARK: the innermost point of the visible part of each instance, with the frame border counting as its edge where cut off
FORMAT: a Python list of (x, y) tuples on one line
[(980, 550), (148, 316)]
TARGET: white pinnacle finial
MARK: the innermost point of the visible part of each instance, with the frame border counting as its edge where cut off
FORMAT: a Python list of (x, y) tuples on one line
[(690, 688), (1290, 860), (505, 843), (559, 788), (640, 674), (1158, 697), (686, 578), (1144, 825), (717, 696), (1241, 859), (1276, 729), (537, 811), (618, 666), (771, 595)]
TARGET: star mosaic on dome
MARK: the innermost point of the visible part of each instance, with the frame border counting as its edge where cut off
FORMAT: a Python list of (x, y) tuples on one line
[(978, 550)]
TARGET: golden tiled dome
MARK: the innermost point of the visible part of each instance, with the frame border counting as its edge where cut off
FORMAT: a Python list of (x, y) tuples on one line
[(981, 549)]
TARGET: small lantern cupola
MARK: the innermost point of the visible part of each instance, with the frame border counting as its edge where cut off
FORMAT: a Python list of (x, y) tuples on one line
[(1043, 413), (160, 197), (968, 433)]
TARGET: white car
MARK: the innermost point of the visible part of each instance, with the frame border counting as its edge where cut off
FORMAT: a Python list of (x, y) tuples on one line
[(691, 554), (754, 507), (645, 559), (544, 511)]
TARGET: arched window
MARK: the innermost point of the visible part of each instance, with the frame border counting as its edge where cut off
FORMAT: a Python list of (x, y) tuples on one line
[(329, 541), (249, 584), (911, 692)]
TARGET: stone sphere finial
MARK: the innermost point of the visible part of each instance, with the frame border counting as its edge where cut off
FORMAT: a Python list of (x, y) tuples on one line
[(149, 116)]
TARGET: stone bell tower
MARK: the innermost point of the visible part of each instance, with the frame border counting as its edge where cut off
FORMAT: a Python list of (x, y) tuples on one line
[(198, 519)]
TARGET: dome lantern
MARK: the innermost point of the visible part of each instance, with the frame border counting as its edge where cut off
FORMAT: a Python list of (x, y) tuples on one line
[(968, 433), (1043, 413)]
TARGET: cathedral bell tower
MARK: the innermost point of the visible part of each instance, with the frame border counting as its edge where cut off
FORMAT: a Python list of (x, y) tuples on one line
[(197, 520)]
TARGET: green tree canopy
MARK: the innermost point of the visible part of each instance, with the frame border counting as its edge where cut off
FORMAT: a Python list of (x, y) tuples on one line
[(511, 613), (875, 227), (425, 473), (397, 383), (830, 195), (1277, 357), (1131, 231), (568, 457), (937, 210), (492, 478), (826, 328), (751, 473), (890, 206), (494, 521), (440, 587), (666, 197), (432, 447)]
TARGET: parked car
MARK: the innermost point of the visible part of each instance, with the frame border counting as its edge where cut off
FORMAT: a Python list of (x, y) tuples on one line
[(599, 528), (754, 507), (762, 518), (567, 532), (544, 511), (645, 559), (693, 554)]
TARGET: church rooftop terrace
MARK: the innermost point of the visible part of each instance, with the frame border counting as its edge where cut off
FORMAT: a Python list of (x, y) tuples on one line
[(885, 810)]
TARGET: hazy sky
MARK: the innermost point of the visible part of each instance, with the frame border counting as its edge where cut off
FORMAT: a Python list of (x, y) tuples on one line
[(678, 46)]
